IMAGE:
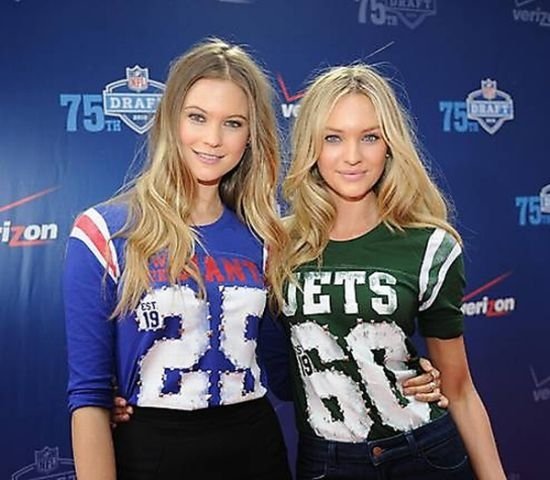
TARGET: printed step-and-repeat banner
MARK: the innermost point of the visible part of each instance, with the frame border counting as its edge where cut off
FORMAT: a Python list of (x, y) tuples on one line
[(79, 86)]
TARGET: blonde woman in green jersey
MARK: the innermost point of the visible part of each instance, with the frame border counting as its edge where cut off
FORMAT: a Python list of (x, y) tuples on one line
[(372, 257)]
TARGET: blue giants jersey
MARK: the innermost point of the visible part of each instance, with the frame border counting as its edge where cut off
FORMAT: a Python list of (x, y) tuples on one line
[(175, 350)]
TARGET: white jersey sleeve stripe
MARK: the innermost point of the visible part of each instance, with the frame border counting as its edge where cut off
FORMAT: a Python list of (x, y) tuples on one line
[(455, 252), (434, 242), (101, 224)]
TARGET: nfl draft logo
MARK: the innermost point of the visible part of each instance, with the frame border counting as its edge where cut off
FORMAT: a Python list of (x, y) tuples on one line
[(489, 106), (412, 12), (47, 464), (133, 99)]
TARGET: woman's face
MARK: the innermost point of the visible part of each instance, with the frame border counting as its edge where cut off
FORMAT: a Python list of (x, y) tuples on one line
[(214, 128), (353, 152)]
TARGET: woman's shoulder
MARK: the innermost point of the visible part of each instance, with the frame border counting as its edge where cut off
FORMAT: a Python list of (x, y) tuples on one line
[(108, 217), (435, 246), (431, 233), (424, 243)]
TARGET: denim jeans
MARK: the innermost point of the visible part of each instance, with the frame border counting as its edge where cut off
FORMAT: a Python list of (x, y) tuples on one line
[(433, 451)]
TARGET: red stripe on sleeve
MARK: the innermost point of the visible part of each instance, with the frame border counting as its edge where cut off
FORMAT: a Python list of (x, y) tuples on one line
[(87, 225)]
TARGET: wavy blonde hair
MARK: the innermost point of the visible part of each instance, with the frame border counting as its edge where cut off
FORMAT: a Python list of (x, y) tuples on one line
[(406, 195), (160, 199)]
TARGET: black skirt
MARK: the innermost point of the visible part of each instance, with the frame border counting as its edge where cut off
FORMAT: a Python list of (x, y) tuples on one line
[(241, 442)]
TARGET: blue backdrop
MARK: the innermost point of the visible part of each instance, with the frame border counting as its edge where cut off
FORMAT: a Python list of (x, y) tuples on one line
[(474, 73)]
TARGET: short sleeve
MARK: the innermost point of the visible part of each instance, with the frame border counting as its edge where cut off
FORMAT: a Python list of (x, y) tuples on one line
[(441, 287)]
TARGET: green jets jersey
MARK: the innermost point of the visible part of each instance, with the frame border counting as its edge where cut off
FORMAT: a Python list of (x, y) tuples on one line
[(350, 321)]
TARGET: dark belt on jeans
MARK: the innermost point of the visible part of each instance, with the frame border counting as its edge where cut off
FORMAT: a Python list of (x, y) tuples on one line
[(390, 448)]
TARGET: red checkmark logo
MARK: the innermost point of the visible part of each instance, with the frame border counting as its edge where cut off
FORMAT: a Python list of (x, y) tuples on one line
[(486, 286), (288, 97), (28, 199)]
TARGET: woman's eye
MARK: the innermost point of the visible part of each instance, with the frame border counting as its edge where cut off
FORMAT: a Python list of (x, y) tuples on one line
[(234, 123), (370, 138), (196, 117), (332, 138)]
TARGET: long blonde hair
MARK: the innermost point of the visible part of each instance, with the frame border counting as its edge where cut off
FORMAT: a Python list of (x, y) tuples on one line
[(161, 197), (406, 195)]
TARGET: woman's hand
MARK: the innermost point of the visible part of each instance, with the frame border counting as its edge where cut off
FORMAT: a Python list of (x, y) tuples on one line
[(121, 411), (425, 387)]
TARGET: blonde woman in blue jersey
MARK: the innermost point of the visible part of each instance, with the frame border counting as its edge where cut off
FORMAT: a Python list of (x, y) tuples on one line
[(372, 257), (165, 287)]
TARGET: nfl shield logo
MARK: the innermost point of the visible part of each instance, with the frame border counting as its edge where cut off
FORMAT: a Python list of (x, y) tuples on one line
[(489, 89), (47, 465), (46, 459), (138, 78)]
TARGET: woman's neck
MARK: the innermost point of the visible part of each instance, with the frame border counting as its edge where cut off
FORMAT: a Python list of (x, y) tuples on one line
[(354, 218), (208, 206)]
